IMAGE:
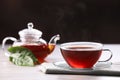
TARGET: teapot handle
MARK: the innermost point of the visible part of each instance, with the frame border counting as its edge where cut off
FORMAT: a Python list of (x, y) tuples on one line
[(4, 41)]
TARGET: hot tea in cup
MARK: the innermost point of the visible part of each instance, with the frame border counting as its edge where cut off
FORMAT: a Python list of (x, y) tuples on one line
[(82, 54)]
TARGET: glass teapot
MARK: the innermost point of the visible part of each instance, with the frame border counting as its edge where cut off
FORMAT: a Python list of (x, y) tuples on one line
[(31, 39)]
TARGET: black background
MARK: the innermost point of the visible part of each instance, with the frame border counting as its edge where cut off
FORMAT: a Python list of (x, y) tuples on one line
[(74, 20)]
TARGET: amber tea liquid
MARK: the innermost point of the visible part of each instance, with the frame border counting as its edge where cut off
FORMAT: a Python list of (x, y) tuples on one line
[(81, 56), (41, 51)]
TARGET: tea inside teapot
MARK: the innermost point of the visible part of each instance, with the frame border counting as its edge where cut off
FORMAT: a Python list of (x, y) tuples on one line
[(40, 51)]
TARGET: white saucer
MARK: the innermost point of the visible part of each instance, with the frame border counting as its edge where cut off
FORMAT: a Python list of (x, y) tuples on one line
[(99, 65)]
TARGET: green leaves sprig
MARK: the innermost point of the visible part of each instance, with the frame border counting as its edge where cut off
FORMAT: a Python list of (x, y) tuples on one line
[(22, 56)]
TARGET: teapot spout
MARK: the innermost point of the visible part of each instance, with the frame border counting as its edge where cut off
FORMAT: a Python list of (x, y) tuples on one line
[(54, 39)]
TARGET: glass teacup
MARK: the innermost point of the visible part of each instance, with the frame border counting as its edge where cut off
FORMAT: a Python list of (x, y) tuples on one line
[(83, 54)]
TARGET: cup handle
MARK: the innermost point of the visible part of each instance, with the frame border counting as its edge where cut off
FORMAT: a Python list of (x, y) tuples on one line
[(111, 54)]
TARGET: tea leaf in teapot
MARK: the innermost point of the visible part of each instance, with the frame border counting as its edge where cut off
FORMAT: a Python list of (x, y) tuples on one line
[(22, 56)]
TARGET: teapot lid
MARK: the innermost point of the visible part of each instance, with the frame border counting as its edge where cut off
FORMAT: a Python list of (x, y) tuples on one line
[(30, 33)]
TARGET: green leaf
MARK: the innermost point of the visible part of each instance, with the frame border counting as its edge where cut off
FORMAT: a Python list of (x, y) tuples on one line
[(22, 56)]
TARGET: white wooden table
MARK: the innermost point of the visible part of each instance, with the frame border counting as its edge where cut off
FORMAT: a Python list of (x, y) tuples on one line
[(9, 71)]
